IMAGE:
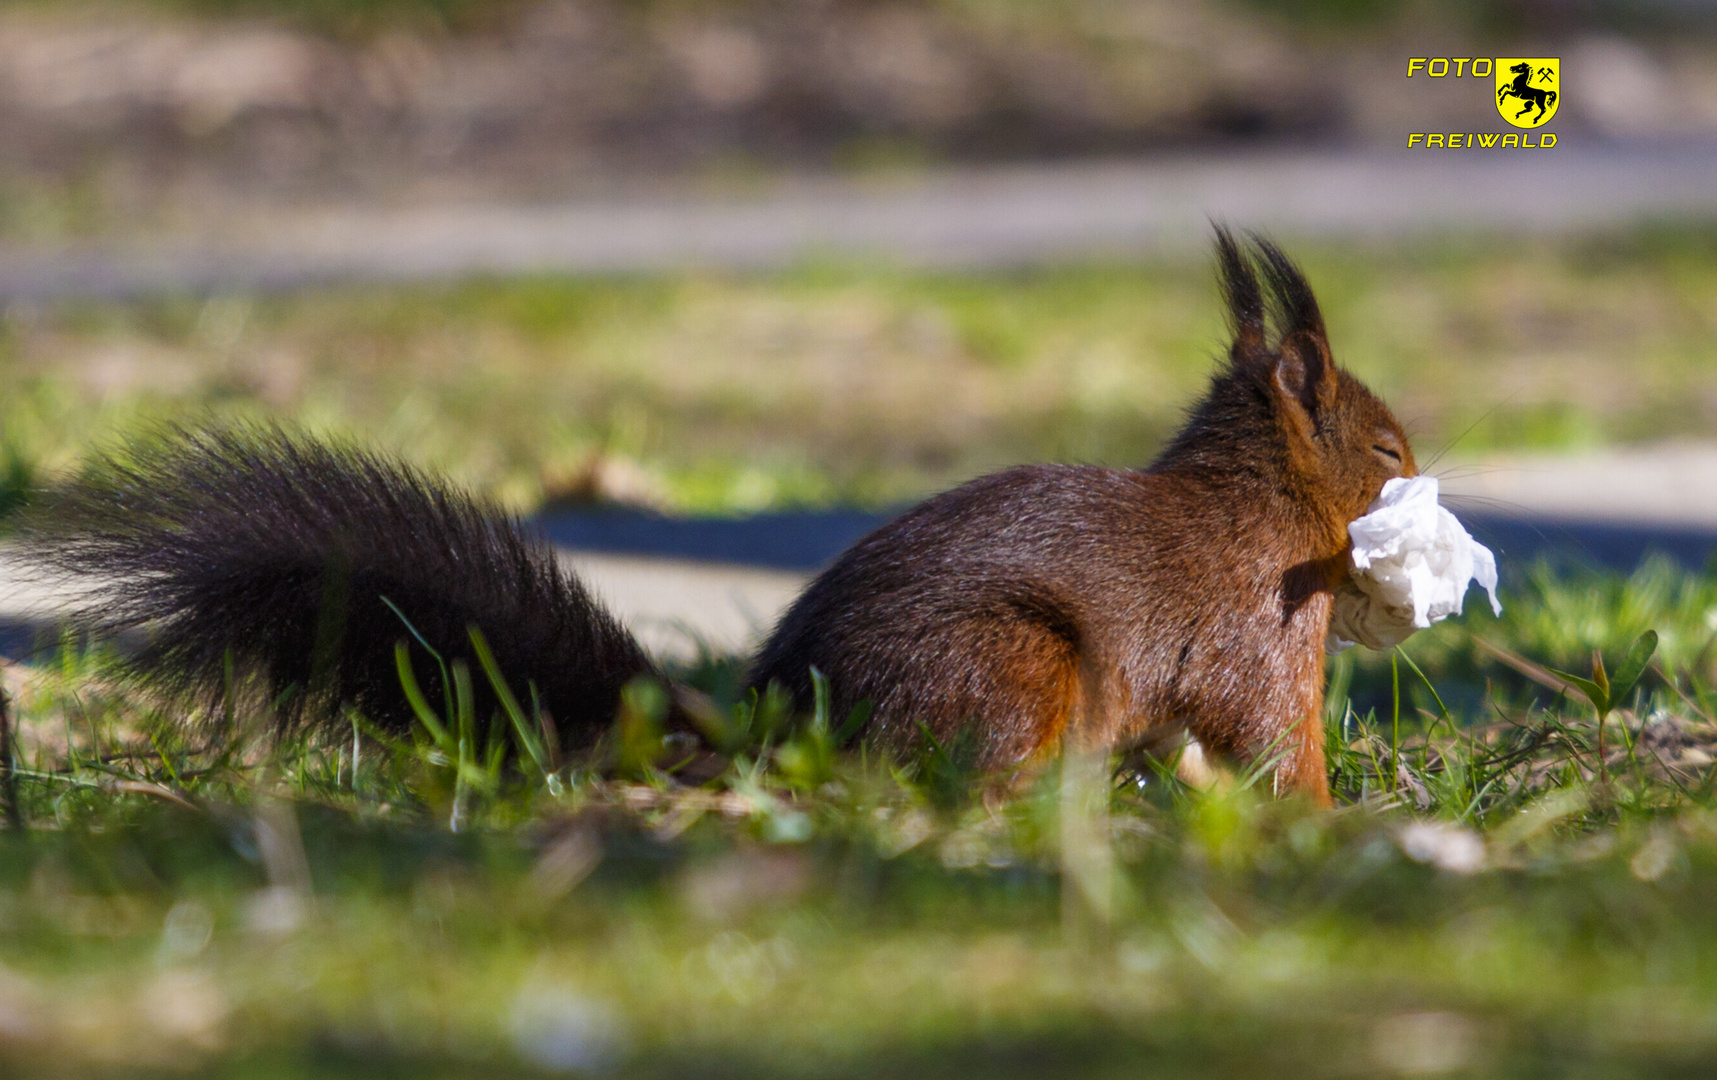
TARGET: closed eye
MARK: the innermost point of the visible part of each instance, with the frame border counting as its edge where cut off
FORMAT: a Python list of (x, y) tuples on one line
[(1386, 452)]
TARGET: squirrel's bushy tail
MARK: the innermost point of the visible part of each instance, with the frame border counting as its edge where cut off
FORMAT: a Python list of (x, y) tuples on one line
[(253, 550)]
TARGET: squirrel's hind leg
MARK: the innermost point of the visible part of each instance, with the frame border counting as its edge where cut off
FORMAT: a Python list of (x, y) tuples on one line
[(1303, 769), (1018, 698)]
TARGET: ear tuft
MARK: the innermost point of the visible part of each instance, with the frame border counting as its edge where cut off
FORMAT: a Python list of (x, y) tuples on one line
[(1291, 296), (1300, 366), (1240, 291)]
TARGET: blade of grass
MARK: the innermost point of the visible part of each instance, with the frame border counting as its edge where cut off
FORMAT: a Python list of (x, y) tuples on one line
[(8, 767), (419, 704), (411, 628), (1395, 724)]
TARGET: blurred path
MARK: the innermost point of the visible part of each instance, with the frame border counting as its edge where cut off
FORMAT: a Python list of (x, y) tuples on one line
[(676, 605), (960, 218), (723, 583), (1672, 485)]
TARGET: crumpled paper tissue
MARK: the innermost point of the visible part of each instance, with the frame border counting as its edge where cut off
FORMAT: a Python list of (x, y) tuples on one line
[(1411, 563)]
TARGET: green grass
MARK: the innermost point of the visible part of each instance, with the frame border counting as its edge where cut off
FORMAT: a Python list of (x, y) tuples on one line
[(873, 385), (1480, 904)]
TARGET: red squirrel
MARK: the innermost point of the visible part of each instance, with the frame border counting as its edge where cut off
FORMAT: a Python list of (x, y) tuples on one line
[(1055, 602), (1020, 611)]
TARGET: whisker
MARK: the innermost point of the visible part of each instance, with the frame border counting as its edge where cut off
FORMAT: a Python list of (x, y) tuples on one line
[(1450, 445), (1471, 469), (1486, 502)]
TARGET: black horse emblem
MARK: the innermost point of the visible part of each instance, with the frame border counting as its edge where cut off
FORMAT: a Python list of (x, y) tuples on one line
[(1532, 97)]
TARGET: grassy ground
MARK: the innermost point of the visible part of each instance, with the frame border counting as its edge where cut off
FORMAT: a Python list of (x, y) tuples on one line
[(872, 385), (1485, 902)]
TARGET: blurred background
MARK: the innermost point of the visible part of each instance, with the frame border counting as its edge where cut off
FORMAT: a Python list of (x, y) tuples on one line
[(131, 115), (737, 255), (731, 255)]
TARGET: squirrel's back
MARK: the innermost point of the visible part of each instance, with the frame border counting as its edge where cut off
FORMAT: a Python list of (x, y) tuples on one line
[(1046, 597), (976, 603)]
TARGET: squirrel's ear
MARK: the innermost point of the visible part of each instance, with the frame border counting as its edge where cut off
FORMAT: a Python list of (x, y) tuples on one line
[(1305, 377)]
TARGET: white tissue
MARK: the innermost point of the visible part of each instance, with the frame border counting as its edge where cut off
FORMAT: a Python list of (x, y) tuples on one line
[(1412, 562)]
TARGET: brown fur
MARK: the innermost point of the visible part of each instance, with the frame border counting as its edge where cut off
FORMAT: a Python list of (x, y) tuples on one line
[(1049, 603)]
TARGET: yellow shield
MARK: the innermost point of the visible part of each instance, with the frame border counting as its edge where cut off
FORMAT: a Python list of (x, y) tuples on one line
[(1527, 89)]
